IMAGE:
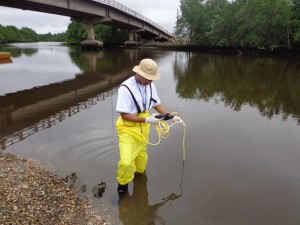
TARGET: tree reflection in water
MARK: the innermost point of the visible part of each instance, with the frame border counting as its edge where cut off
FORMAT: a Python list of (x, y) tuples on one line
[(272, 85)]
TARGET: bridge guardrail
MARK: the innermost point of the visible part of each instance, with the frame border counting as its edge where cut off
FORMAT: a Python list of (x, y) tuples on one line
[(52, 120), (124, 8)]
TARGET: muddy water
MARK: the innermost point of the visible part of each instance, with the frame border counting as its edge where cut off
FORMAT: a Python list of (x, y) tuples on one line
[(242, 117)]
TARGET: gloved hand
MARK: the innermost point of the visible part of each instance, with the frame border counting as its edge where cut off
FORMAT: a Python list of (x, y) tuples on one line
[(177, 120), (152, 119)]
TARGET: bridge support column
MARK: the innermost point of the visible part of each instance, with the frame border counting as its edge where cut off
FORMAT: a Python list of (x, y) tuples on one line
[(132, 41), (91, 43)]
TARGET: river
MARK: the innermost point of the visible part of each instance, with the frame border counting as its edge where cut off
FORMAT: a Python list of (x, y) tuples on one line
[(242, 141)]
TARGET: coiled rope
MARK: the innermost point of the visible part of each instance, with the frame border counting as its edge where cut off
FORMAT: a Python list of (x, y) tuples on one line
[(163, 131)]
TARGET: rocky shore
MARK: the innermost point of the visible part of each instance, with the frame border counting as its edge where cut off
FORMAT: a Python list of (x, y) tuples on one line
[(29, 194)]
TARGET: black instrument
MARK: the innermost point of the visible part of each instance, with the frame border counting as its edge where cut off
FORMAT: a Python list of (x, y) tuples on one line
[(166, 116)]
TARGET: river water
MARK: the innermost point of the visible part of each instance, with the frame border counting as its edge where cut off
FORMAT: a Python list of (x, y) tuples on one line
[(242, 117)]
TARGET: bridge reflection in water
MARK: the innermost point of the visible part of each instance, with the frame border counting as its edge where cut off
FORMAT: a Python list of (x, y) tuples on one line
[(27, 112), (44, 107)]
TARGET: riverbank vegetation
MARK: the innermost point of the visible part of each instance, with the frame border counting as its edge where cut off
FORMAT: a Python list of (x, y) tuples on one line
[(25, 34), (75, 33), (261, 24)]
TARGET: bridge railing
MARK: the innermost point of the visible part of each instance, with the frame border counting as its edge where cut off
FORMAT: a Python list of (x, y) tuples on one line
[(49, 122), (123, 8)]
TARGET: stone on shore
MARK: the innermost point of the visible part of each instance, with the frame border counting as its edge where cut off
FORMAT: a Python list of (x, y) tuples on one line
[(29, 194)]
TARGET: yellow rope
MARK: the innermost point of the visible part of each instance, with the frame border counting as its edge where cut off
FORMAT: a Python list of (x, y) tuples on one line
[(163, 129)]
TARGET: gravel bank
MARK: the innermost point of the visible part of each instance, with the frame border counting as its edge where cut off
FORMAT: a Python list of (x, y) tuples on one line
[(30, 194)]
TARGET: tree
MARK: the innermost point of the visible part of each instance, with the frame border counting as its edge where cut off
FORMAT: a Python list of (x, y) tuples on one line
[(2, 31), (11, 33), (221, 25), (264, 23), (110, 35), (295, 21), (247, 23), (76, 32), (195, 20), (181, 30), (27, 34)]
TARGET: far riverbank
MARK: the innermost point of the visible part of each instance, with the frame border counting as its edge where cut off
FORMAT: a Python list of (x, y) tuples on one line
[(278, 51)]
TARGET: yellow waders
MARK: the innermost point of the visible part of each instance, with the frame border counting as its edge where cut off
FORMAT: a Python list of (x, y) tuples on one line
[(133, 148)]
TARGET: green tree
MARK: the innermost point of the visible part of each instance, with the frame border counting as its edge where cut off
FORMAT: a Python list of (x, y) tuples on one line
[(181, 29), (110, 35), (27, 34), (295, 22), (11, 33), (60, 37), (246, 23), (2, 31), (195, 20), (76, 32), (221, 22), (268, 23)]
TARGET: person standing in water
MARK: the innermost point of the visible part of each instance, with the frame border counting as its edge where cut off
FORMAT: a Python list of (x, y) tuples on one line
[(136, 96)]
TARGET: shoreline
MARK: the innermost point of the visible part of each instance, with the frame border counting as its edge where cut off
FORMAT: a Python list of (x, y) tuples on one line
[(279, 51), (240, 51), (30, 194)]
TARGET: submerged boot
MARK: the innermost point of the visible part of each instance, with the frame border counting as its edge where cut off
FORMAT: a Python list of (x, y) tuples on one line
[(122, 188)]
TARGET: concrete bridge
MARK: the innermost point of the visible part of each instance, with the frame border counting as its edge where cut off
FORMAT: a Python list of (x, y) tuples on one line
[(92, 12)]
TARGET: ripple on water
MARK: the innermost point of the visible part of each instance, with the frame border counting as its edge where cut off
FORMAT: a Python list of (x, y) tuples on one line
[(94, 144)]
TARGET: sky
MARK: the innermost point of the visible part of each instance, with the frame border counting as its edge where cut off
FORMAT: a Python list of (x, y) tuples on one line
[(162, 12)]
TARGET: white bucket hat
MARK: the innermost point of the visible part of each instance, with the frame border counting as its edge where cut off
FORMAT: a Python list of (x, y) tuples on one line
[(147, 69)]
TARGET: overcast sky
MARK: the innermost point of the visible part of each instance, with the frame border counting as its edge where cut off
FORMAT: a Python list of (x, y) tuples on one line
[(163, 12)]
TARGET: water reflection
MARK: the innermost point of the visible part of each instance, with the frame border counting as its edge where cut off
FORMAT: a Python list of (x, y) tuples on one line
[(73, 182), (112, 60), (44, 106), (21, 123), (271, 85), (3, 61), (135, 208), (18, 52), (104, 61), (99, 189)]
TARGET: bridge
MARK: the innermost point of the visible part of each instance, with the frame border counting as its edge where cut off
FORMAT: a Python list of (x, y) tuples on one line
[(92, 12)]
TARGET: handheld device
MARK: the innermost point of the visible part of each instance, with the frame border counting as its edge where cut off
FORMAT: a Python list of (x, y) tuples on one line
[(166, 116)]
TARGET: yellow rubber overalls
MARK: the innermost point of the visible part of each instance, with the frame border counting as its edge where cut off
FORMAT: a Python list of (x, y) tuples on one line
[(132, 146)]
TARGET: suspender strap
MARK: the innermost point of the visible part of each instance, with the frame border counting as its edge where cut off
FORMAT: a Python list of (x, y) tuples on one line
[(134, 100), (151, 99)]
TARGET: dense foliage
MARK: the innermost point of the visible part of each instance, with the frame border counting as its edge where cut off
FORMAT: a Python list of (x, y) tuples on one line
[(61, 37), (75, 33), (11, 33), (240, 23), (25, 34), (109, 35)]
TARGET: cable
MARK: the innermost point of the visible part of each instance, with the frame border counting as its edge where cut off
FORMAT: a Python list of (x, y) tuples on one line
[(163, 130)]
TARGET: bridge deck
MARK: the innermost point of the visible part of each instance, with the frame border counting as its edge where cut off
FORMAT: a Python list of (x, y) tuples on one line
[(100, 11)]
